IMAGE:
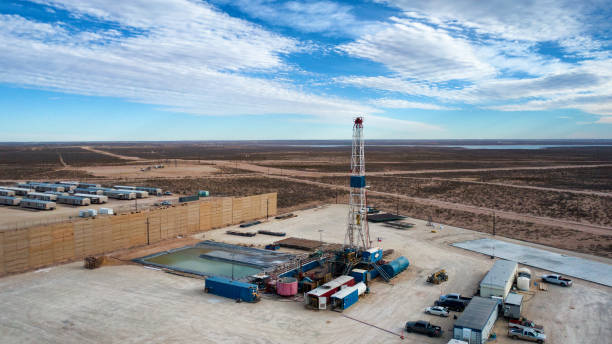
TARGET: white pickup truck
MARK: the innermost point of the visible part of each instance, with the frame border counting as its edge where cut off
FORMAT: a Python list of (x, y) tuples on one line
[(557, 279), (526, 334)]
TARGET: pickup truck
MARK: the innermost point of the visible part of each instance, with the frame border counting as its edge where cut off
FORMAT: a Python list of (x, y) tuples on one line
[(557, 279), (454, 302), (525, 324), (424, 327), (527, 334)]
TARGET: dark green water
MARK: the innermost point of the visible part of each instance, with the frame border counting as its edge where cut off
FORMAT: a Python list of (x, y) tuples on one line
[(189, 259)]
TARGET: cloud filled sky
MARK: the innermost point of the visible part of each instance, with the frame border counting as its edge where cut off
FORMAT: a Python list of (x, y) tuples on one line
[(265, 69)]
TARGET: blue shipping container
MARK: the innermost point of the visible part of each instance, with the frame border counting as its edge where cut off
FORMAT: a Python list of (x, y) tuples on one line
[(372, 255), (393, 268), (231, 289), (345, 298), (358, 182), (359, 275)]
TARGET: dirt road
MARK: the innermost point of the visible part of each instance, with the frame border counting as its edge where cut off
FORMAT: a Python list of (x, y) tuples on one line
[(124, 157)]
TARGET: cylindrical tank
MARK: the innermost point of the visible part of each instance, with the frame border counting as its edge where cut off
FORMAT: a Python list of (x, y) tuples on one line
[(361, 288), (524, 272), (396, 266), (287, 286), (523, 283)]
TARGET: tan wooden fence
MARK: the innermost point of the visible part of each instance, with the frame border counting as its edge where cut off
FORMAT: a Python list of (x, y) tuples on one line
[(30, 248)]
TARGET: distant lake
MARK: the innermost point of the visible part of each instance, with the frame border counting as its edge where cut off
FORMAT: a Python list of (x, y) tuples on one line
[(459, 146)]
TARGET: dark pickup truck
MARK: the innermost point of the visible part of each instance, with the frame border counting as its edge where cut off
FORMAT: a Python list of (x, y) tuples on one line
[(454, 302), (424, 327)]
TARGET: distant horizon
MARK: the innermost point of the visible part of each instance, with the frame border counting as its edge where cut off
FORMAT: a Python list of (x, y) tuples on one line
[(390, 141)]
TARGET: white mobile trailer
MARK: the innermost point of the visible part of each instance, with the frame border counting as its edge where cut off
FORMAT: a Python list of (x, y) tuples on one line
[(9, 200), (499, 280), (7, 193), (18, 190), (42, 196), (88, 191), (74, 200), (37, 204), (96, 199), (120, 194)]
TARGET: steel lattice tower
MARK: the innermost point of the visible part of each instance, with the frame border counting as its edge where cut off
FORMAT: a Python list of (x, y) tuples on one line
[(357, 233)]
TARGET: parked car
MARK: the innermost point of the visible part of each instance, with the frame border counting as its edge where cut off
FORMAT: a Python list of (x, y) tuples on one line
[(437, 310), (424, 327), (527, 334), (557, 279), (454, 302), (525, 324), (166, 203), (167, 193)]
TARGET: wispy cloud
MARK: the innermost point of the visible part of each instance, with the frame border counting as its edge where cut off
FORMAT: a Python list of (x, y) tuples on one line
[(404, 104)]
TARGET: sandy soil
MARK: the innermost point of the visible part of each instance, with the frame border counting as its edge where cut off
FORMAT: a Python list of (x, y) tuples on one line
[(132, 304)]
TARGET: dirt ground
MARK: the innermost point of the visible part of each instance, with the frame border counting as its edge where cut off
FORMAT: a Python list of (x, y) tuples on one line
[(180, 170), (133, 304), (17, 217)]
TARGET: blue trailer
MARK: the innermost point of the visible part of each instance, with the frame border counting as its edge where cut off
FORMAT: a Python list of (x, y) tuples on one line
[(347, 297), (231, 289), (360, 275)]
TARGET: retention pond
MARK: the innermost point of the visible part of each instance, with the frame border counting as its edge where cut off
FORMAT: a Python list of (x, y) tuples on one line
[(216, 259)]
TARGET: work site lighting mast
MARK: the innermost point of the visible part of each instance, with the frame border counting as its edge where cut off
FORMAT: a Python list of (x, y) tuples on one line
[(357, 233)]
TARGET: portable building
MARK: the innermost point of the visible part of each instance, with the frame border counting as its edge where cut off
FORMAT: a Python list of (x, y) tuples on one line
[(73, 200), (42, 196), (68, 187), (42, 187), (57, 193), (67, 182), (348, 296), (88, 191), (476, 322), (318, 298), (235, 290), (372, 255), (8, 193), (151, 191), (513, 306), (37, 204), (498, 281), (140, 193), (120, 194), (106, 211), (87, 185), (9, 200), (203, 193), (124, 187), (19, 191), (96, 199)]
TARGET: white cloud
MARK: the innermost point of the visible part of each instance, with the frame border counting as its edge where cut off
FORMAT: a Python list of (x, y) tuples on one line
[(186, 57), (523, 20), (404, 104), (418, 51), (327, 17)]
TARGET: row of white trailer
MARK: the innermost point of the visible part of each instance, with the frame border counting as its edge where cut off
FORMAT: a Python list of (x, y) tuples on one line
[(40, 195), (27, 203)]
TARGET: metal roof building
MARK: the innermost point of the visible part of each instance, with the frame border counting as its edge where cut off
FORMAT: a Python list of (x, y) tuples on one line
[(476, 322), (499, 279)]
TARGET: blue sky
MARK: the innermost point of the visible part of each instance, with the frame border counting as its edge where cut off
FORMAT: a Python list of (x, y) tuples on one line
[(264, 69)]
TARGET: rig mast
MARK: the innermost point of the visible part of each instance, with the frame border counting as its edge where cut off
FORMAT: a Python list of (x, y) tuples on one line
[(357, 233)]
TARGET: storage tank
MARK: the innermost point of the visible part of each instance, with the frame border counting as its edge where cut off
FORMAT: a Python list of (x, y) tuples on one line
[(287, 286), (394, 267), (523, 283)]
